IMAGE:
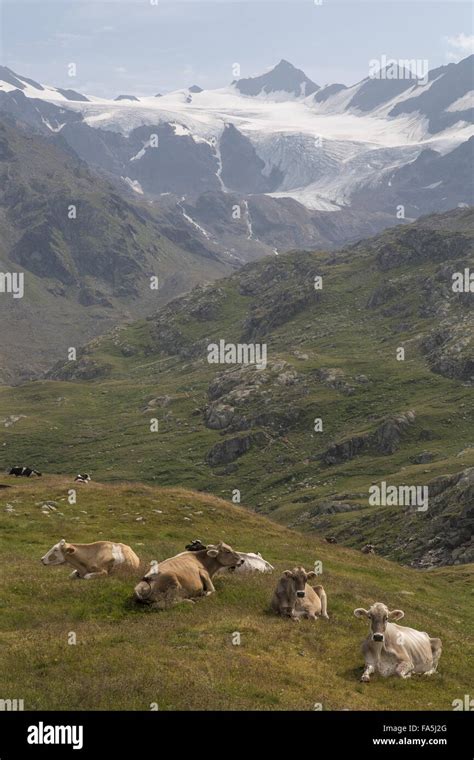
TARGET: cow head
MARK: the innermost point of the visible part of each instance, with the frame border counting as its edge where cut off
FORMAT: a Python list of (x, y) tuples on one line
[(224, 555), (378, 616), (143, 590), (56, 555), (298, 578)]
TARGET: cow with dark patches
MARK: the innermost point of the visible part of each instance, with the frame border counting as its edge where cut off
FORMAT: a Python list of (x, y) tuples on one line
[(195, 546), (85, 478), (23, 472)]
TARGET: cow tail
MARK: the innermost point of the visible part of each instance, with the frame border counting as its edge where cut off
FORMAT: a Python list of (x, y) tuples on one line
[(323, 598)]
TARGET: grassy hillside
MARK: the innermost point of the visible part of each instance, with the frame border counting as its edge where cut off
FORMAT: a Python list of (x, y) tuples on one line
[(183, 658), (331, 355)]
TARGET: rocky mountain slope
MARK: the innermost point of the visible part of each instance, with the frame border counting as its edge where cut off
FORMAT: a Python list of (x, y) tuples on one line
[(87, 254), (88, 247), (367, 379)]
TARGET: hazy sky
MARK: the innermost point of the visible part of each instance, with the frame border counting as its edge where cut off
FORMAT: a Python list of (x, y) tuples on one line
[(135, 46)]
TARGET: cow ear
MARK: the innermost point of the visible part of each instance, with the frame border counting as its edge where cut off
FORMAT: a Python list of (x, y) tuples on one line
[(288, 573), (212, 552), (360, 612), (311, 574), (396, 614), (70, 550)]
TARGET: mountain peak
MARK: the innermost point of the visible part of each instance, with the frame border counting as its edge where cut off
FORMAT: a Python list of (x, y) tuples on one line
[(284, 77)]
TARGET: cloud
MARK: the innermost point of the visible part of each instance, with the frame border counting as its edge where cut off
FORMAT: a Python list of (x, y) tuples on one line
[(461, 46), (68, 38)]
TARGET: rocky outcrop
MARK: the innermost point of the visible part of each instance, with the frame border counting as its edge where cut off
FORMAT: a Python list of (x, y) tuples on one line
[(158, 401), (93, 297), (346, 450), (423, 458), (283, 292), (448, 350), (279, 421), (231, 449), (333, 377), (387, 437), (84, 368), (207, 311), (236, 384), (384, 440), (415, 246), (381, 295), (171, 340), (448, 536), (218, 416), (333, 508)]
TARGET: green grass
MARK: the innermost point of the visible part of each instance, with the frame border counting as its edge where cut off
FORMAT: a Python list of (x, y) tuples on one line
[(183, 658)]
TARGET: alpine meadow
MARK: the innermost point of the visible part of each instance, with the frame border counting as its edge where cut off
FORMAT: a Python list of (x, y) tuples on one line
[(237, 364)]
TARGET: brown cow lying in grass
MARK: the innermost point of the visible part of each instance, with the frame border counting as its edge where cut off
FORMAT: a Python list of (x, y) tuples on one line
[(295, 598), (92, 560), (186, 576)]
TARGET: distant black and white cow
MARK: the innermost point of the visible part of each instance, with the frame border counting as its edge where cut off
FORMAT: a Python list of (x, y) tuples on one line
[(24, 472), (84, 478), (196, 545)]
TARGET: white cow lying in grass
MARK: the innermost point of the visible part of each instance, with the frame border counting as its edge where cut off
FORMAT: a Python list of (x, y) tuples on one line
[(252, 563), (92, 560), (392, 649)]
